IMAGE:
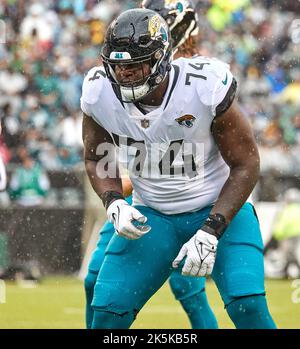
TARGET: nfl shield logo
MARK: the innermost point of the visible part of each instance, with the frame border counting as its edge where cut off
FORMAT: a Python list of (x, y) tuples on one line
[(145, 123)]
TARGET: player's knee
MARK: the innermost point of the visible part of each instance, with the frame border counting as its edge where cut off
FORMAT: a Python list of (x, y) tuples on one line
[(111, 320), (246, 306), (111, 298), (178, 287), (184, 287), (250, 312), (244, 282), (111, 310)]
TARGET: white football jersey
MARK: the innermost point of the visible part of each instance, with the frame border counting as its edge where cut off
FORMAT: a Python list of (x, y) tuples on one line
[(173, 161)]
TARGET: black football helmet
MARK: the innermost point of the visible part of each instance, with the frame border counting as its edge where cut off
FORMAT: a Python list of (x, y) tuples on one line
[(181, 17), (137, 36)]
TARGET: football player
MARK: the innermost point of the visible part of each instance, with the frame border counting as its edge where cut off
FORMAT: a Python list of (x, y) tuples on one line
[(189, 291), (193, 163)]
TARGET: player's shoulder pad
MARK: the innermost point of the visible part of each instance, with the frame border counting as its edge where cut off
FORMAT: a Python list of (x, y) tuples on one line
[(215, 71), (216, 79), (93, 84)]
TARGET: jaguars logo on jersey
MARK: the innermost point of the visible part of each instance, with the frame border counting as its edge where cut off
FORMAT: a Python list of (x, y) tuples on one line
[(186, 120)]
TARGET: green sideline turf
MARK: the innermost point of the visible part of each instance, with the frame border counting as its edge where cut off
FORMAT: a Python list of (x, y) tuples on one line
[(59, 303)]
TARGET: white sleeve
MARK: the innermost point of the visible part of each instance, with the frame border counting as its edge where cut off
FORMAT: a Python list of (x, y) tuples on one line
[(3, 178), (220, 82), (91, 89), (85, 107)]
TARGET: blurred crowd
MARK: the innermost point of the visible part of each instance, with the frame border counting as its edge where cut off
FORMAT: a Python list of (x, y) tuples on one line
[(261, 41), (48, 46)]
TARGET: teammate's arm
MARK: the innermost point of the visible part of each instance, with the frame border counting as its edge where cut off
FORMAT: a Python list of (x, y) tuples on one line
[(234, 137)]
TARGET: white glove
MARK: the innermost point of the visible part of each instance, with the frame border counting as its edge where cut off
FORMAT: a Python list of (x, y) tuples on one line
[(200, 252), (122, 215)]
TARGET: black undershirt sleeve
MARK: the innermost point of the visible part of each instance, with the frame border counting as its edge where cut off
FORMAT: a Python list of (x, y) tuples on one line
[(228, 99)]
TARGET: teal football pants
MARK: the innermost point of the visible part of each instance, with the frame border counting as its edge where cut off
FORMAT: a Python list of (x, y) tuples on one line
[(133, 270), (189, 291)]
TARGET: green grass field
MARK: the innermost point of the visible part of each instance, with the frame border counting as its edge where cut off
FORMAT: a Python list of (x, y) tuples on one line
[(59, 303)]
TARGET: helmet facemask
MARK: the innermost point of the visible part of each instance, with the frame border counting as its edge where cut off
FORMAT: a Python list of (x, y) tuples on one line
[(135, 89)]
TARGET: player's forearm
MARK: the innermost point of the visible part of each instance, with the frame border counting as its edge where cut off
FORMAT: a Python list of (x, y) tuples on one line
[(127, 186), (237, 189), (102, 184), (236, 142)]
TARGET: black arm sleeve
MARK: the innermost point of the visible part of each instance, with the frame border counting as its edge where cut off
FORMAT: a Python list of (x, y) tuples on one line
[(228, 99)]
